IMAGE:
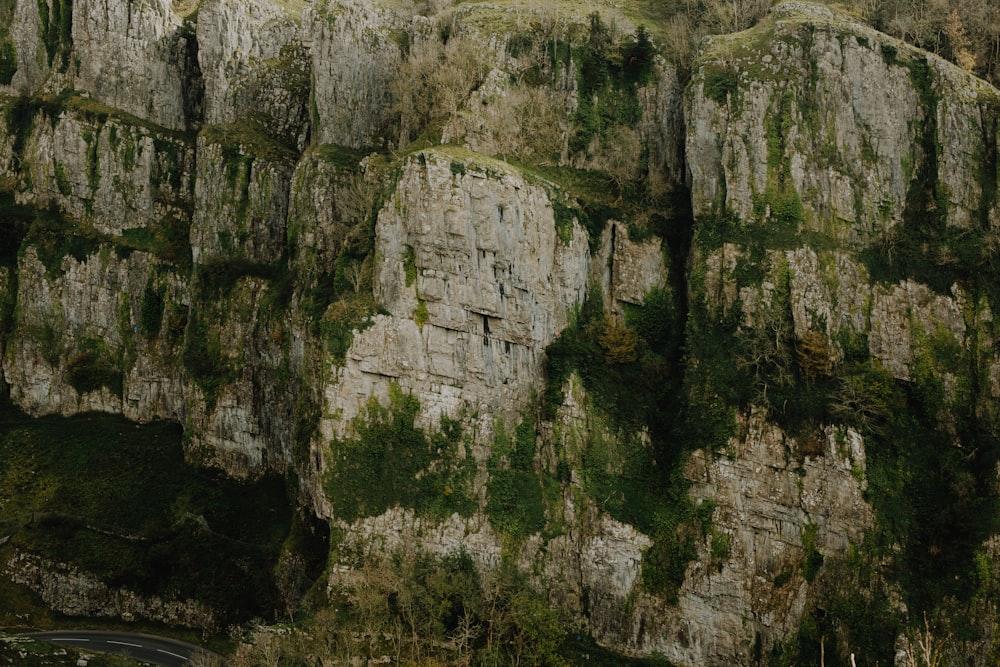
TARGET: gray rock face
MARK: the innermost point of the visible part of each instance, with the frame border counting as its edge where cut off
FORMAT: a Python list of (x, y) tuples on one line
[(254, 65), (87, 304), (837, 111), (662, 127), (112, 174), (807, 143), (241, 204), (765, 508), (138, 57), (32, 60), (134, 56), (354, 59), (476, 284)]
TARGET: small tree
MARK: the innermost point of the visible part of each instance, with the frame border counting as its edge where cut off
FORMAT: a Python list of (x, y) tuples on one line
[(433, 85), (954, 30), (202, 658), (355, 273), (619, 342), (620, 156), (355, 198), (924, 649), (812, 352)]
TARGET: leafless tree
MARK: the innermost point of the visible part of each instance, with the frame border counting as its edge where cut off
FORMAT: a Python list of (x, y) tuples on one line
[(433, 85), (924, 648), (355, 197)]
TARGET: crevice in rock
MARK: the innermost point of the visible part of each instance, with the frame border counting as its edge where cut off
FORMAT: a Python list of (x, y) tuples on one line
[(192, 82)]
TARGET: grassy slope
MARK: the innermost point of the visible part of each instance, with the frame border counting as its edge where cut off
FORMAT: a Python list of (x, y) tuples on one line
[(72, 488)]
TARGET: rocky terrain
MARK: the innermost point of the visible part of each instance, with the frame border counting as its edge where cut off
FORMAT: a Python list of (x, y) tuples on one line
[(707, 356)]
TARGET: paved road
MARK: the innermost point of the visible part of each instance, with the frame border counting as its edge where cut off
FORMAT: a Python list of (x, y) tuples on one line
[(147, 648)]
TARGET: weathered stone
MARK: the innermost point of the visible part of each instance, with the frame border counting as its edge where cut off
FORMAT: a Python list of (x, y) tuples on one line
[(107, 171), (354, 60), (74, 592), (476, 284), (254, 64), (241, 204), (133, 56)]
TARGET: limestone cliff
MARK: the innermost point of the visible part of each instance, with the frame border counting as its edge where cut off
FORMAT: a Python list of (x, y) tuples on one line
[(670, 361), (835, 177)]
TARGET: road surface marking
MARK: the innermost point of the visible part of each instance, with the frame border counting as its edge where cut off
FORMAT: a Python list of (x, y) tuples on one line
[(68, 639), (182, 657), (112, 641)]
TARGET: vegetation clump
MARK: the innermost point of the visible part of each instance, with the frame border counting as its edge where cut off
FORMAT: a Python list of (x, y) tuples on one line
[(609, 76), (151, 310), (205, 359), (56, 31), (387, 461), (631, 372), (515, 503)]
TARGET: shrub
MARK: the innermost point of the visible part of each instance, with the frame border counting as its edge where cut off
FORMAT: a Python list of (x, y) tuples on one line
[(55, 237), (341, 319), (514, 502), (719, 85), (432, 85), (527, 123), (619, 342), (812, 559), (151, 310), (204, 358)]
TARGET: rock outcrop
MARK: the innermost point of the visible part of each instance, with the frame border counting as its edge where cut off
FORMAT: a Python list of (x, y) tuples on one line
[(136, 57), (476, 284), (73, 592)]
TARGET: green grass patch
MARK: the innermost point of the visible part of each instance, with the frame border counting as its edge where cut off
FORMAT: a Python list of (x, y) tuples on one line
[(169, 240), (245, 140), (218, 277), (55, 237), (342, 157), (782, 202), (720, 84), (20, 112), (204, 358)]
